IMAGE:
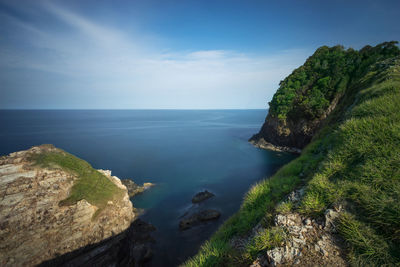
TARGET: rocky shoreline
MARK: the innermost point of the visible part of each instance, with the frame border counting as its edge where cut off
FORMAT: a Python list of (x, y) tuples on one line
[(261, 143), (35, 228), (135, 189)]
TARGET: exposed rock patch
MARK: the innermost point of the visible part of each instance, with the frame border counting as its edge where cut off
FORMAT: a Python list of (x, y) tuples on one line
[(133, 247), (261, 143), (309, 242), (133, 188), (198, 218), (34, 228), (290, 135), (201, 196)]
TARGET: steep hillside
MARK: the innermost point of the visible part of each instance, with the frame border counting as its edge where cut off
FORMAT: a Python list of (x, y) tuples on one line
[(337, 203), (307, 96), (53, 203)]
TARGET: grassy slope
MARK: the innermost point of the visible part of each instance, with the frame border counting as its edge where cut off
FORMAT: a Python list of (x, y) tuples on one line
[(91, 185), (355, 158)]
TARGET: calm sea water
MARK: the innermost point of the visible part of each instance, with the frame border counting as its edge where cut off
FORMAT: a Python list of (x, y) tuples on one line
[(183, 152)]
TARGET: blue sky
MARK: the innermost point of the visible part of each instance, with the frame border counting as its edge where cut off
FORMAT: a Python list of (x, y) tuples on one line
[(171, 54)]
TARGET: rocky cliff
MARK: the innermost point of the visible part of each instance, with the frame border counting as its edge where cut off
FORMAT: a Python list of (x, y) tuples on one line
[(311, 93), (48, 208), (337, 203)]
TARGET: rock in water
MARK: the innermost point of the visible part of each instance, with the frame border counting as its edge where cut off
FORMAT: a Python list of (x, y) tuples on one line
[(133, 188), (198, 217), (201, 196), (41, 219)]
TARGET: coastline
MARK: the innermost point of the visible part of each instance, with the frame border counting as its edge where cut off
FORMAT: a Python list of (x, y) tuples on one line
[(261, 143)]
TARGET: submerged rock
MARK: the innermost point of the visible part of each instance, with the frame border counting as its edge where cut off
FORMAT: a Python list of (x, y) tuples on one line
[(133, 188), (201, 196), (198, 217)]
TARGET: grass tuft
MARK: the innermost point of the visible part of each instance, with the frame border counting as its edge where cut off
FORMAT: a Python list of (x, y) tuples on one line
[(266, 239)]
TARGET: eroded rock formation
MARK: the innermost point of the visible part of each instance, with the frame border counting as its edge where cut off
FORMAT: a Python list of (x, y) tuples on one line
[(289, 135), (34, 227), (135, 189)]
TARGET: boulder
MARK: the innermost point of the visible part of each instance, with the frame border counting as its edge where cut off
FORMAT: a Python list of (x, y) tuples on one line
[(201, 196), (198, 217)]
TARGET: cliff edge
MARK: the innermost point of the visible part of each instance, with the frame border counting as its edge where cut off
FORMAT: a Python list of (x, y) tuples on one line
[(307, 97), (337, 203), (53, 203)]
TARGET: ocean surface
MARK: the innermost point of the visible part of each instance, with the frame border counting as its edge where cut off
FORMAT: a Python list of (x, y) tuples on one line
[(181, 151)]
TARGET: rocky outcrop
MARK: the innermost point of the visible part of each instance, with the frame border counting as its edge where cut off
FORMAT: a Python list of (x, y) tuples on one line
[(196, 215), (132, 247), (135, 189), (34, 227), (198, 218), (308, 242), (201, 196), (289, 135)]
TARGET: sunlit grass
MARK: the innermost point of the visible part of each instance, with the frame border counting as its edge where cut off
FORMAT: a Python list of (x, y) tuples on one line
[(266, 239), (90, 185), (355, 158)]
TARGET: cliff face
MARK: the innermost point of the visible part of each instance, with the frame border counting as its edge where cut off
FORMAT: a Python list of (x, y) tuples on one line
[(290, 135), (311, 93), (287, 135), (337, 203), (34, 224)]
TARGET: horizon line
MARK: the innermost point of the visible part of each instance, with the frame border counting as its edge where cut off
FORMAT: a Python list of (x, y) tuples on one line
[(49, 109)]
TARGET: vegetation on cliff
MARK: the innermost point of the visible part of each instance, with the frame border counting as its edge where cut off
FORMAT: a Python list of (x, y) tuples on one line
[(90, 185), (310, 89), (65, 209), (309, 95), (353, 159)]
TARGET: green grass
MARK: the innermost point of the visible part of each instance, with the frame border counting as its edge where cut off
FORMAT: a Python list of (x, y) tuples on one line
[(367, 247), (355, 158), (267, 239), (257, 205), (363, 168), (91, 185), (284, 207)]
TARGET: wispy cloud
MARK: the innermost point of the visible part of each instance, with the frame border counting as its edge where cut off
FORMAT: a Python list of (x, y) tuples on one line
[(114, 69)]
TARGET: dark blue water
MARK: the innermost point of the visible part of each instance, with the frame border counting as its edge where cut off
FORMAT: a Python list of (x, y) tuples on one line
[(183, 152)]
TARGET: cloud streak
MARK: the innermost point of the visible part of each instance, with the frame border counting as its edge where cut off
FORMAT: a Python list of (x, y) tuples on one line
[(90, 65)]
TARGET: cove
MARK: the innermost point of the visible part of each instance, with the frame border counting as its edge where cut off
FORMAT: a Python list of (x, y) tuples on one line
[(181, 151)]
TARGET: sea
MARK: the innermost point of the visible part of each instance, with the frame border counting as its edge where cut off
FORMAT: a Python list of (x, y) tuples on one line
[(183, 152)]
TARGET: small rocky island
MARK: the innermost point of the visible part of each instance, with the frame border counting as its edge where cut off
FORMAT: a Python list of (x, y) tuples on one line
[(56, 210), (201, 196), (198, 216)]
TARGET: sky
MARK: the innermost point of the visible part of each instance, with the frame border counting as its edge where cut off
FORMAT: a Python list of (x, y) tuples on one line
[(171, 54)]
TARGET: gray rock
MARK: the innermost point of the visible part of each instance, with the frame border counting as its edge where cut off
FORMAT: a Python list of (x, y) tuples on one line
[(199, 217), (33, 209), (275, 256), (133, 188), (330, 217), (307, 221), (201, 196)]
